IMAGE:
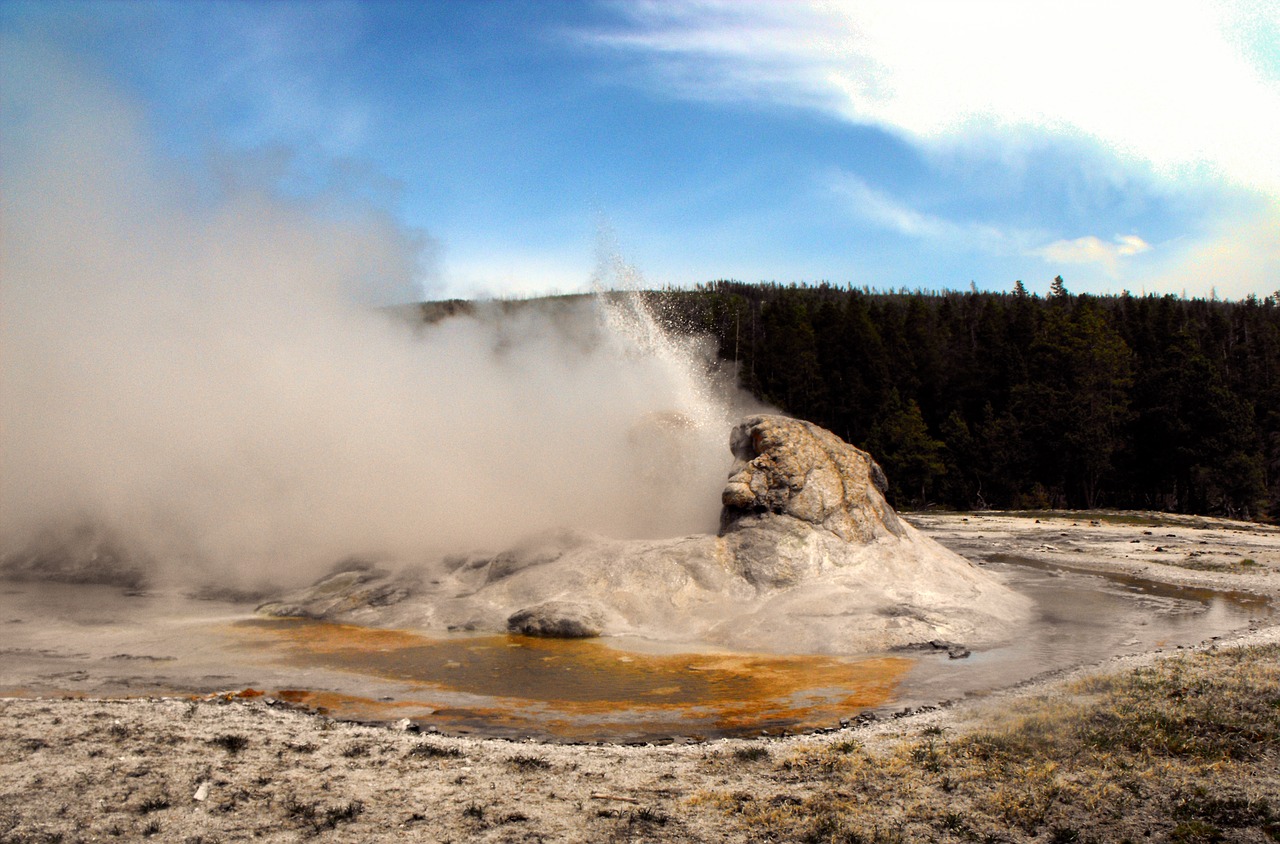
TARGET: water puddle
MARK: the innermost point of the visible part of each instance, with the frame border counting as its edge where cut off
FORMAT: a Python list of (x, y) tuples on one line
[(100, 641), (1083, 617)]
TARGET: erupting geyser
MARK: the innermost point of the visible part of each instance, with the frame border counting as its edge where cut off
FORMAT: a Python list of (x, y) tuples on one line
[(196, 387), (194, 390), (810, 558)]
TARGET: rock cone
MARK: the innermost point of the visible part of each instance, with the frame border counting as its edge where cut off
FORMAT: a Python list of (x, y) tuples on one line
[(789, 467), (810, 559)]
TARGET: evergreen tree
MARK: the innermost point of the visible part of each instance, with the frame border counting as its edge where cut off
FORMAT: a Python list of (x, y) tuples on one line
[(1012, 400), (912, 459)]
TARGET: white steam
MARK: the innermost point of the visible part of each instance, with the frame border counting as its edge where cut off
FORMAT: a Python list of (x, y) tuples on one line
[(196, 374)]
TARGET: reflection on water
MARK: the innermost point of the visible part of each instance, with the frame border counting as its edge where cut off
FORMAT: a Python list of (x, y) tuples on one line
[(92, 640)]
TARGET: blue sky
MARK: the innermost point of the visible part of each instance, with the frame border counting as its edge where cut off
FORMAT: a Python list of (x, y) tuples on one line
[(1131, 145)]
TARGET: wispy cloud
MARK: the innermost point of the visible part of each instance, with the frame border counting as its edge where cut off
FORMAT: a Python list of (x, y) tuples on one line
[(884, 211), (887, 212), (880, 209), (268, 74), (1183, 98), (1174, 86)]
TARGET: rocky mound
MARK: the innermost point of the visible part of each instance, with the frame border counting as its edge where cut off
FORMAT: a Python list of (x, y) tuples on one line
[(810, 558), (790, 467)]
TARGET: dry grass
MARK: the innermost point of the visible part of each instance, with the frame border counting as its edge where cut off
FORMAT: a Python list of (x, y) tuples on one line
[(1187, 750)]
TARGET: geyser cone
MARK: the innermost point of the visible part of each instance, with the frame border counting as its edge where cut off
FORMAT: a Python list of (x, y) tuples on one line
[(810, 559)]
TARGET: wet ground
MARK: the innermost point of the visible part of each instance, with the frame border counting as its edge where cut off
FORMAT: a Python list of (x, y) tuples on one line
[(102, 641), (1084, 617)]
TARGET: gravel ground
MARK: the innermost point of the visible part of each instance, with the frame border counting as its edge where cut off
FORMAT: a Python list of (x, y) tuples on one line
[(223, 768)]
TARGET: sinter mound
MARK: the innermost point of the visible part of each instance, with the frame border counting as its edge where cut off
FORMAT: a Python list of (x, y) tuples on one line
[(810, 558)]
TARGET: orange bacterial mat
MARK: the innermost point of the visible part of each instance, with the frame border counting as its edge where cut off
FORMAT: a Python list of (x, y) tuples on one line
[(578, 689)]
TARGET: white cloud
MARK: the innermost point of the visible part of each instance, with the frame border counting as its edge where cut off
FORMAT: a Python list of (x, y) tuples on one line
[(1092, 250), (273, 73), (1172, 85)]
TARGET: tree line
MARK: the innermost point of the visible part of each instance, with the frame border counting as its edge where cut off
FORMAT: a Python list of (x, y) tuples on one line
[(1014, 401)]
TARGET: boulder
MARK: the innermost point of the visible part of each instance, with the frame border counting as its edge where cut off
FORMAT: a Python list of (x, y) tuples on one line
[(558, 620)]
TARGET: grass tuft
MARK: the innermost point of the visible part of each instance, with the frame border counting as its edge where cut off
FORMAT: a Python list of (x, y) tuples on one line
[(316, 817), (427, 750), (153, 803), (525, 762), (752, 753), (645, 815), (230, 742)]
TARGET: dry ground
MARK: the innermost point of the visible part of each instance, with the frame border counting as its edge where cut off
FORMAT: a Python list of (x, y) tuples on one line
[(1182, 747)]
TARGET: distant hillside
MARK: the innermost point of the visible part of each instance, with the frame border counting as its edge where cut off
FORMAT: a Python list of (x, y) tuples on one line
[(1009, 400)]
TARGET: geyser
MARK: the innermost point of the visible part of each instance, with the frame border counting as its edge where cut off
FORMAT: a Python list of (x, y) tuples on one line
[(809, 558), (190, 367), (190, 375)]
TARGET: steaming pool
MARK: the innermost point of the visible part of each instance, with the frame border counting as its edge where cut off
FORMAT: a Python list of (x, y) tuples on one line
[(101, 641)]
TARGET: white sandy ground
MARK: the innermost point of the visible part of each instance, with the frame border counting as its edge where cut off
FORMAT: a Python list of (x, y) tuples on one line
[(174, 769)]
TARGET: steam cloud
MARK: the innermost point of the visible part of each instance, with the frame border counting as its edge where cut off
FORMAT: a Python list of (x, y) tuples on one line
[(198, 373)]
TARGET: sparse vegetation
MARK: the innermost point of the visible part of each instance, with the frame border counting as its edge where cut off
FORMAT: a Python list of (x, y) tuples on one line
[(429, 750), (528, 763), (1182, 751), (233, 744), (752, 753), (153, 803), (1193, 562), (316, 817), (645, 815)]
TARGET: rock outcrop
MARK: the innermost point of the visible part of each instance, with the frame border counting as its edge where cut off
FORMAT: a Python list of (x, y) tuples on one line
[(789, 467), (349, 587), (810, 558)]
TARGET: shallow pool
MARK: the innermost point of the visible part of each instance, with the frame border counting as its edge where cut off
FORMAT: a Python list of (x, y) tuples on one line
[(101, 641)]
